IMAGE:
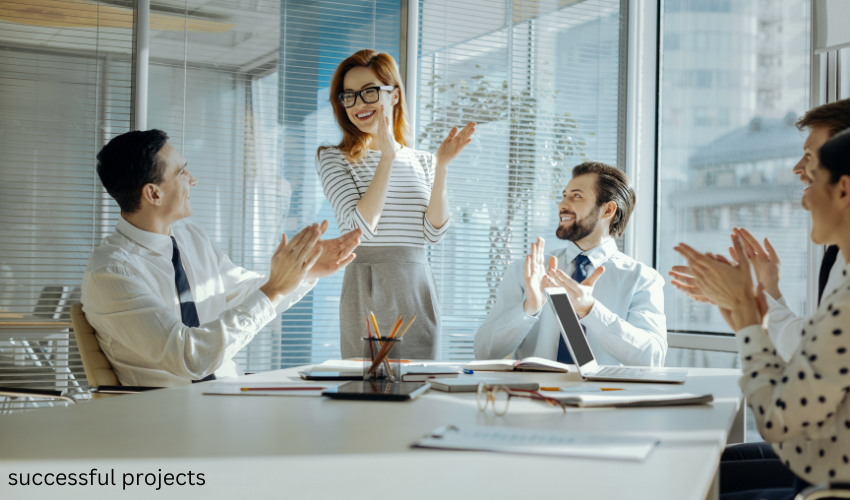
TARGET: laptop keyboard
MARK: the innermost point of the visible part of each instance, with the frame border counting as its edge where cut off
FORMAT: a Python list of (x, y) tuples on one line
[(620, 372)]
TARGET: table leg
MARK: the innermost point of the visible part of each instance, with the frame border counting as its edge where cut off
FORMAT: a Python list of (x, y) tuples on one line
[(738, 434)]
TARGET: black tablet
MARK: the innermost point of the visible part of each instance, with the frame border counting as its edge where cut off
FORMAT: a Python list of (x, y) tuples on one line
[(331, 375), (378, 390)]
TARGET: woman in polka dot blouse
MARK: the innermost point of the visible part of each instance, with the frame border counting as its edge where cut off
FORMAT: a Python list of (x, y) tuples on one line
[(800, 405)]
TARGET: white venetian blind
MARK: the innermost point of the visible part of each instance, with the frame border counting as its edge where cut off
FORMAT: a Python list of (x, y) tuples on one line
[(543, 81), (241, 87), (64, 91)]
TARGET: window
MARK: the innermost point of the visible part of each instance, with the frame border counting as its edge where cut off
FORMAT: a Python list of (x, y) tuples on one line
[(726, 160), (544, 86)]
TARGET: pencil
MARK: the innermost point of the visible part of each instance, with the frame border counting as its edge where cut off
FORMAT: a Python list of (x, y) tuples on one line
[(375, 322), (369, 331), (401, 335), (396, 326)]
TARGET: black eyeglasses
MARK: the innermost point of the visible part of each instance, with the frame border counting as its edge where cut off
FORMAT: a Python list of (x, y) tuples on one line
[(368, 95)]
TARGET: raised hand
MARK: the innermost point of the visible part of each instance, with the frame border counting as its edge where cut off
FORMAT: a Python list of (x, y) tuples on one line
[(684, 281), (386, 138), (765, 262), (581, 294), (454, 143), (336, 254), (535, 279), (728, 285), (292, 261)]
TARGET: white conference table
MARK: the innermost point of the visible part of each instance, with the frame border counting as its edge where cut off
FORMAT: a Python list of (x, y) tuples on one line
[(310, 446)]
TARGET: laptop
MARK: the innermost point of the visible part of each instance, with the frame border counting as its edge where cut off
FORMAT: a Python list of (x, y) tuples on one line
[(585, 362)]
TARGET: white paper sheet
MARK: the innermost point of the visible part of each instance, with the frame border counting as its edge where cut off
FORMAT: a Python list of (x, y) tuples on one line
[(533, 442)]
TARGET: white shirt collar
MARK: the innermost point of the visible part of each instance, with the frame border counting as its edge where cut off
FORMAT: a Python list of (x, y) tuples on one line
[(154, 242), (597, 255)]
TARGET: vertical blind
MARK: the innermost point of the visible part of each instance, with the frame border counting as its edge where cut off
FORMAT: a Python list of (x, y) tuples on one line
[(64, 91), (543, 82), (242, 90), (241, 87)]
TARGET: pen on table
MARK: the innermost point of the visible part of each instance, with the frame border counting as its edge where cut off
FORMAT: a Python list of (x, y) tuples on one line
[(600, 388), (283, 388), (468, 371)]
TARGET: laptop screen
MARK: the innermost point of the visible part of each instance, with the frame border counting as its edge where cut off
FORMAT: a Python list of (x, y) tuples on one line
[(572, 327)]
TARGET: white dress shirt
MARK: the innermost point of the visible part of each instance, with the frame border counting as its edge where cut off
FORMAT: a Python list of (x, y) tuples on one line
[(802, 404), (784, 326), (626, 325), (130, 298)]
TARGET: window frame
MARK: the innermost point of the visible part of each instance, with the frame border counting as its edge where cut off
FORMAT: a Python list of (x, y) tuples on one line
[(646, 22)]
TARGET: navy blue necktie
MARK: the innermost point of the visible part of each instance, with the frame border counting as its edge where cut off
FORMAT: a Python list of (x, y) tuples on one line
[(188, 311), (579, 275)]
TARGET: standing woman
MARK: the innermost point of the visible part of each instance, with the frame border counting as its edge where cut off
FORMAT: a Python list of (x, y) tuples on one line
[(395, 194)]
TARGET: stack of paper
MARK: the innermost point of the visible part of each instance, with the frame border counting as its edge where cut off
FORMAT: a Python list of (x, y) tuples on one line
[(628, 398), (533, 442)]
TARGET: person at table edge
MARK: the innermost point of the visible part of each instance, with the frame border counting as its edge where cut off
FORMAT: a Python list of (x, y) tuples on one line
[(168, 307), (620, 302)]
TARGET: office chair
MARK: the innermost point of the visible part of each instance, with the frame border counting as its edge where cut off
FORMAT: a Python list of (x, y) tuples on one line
[(99, 371), (824, 491)]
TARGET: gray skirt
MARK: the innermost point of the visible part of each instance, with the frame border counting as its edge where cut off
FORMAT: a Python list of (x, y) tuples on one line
[(390, 281)]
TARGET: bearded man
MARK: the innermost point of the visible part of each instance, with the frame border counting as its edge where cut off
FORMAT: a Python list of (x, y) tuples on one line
[(619, 301)]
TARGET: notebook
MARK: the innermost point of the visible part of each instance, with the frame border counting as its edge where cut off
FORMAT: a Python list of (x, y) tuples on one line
[(470, 384), (533, 363), (427, 373), (539, 442), (629, 398)]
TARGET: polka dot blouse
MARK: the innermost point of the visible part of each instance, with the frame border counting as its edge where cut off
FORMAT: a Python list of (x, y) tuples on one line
[(801, 405)]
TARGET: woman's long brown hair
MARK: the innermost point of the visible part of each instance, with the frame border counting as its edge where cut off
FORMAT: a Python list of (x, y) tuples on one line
[(355, 144)]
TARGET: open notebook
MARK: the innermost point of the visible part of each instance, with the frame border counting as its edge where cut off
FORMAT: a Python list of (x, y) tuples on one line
[(528, 364)]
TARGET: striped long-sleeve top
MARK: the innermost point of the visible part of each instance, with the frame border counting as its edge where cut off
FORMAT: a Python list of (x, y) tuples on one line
[(403, 221)]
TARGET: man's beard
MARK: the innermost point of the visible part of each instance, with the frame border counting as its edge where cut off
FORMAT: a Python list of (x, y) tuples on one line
[(580, 229)]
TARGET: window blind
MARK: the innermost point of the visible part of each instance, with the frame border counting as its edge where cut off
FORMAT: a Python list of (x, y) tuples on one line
[(242, 90), (542, 80), (64, 91)]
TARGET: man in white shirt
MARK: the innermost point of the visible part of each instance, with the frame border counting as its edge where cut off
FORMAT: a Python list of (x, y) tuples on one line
[(783, 325), (619, 301), (170, 308)]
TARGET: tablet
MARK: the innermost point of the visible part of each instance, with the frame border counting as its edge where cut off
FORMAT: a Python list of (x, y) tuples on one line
[(378, 390), (331, 375)]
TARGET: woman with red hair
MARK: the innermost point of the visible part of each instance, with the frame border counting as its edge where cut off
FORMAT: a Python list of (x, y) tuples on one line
[(396, 195)]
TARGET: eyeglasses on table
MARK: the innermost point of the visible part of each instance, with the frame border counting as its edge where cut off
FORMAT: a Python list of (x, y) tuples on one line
[(500, 397)]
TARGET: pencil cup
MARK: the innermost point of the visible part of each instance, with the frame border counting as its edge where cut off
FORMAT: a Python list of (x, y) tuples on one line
[(383, 357)]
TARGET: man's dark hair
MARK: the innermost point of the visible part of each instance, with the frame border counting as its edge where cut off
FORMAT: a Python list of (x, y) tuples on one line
[(835, 156), (834, 116), (128, 162), (612, 184)]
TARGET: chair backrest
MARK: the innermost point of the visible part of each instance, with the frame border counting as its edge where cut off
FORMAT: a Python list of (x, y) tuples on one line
[(98, 369)]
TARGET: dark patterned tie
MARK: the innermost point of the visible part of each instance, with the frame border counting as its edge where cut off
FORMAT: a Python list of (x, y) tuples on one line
[(825, 267), (188, 311), (579, 275)]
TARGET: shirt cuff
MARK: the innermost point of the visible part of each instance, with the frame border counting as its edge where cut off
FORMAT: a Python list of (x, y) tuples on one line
[(753, 340), (368, 233), (771, 302), (517, 319), (599, 317), (432, 234), (260, 308)]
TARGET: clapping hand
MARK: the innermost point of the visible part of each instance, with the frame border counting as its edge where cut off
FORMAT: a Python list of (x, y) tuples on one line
[(454, 144), (535, 277), (765, 261), (336, 253), (581, 294), (386, 138), (727, 284), (292, 261)]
